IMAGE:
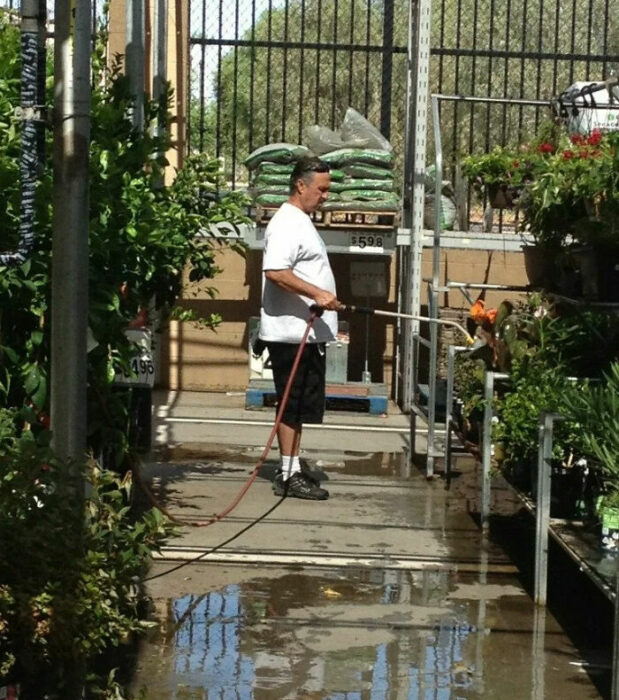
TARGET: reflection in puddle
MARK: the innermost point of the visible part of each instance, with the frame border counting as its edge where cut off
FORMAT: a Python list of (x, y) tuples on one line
[(352, 635)]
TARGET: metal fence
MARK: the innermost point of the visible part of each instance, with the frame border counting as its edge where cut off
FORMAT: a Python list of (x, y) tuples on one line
[(264, 70)]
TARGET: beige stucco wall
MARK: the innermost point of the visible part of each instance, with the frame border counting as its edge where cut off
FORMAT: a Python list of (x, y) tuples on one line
[(205, 360)]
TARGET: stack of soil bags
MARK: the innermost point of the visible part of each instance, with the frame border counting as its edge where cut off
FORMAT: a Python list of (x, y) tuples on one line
[(368, 180), (364, 155), (270, 167)]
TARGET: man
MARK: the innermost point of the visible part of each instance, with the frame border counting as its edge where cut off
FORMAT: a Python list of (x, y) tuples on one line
[(297, 274)]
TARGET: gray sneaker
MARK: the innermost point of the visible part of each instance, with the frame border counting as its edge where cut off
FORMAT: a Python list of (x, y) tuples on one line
[(299, 486)]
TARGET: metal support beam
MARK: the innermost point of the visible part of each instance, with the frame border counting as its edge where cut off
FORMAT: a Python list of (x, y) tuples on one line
[(418, 65), (134, 58), (486, 454), (542, 509), (449, 402), (70, 228)]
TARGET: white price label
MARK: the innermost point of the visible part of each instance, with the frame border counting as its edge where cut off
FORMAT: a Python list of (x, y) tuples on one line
[(366, 242), (142, 366)]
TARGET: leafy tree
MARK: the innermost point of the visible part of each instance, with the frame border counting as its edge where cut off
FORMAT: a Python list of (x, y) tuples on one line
[(265, 94)]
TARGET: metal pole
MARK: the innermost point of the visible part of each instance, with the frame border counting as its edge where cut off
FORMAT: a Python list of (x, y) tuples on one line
[(32, 29), (542, 509), (415, 148), (134, 58), (449, 400), (486, 448), (70, 228), (160, 55), (433, 298)]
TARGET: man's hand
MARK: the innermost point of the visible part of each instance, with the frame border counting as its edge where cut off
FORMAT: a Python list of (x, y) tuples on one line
[(326, 300)]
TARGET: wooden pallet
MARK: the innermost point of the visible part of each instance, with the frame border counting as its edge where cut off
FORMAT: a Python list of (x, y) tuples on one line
[(343, 218), (352, 396)]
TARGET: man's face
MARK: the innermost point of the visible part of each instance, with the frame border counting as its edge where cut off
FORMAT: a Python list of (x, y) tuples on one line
[(314, 193)]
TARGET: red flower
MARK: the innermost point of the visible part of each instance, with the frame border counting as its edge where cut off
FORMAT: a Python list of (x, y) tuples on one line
[(577, 139), (546, 147), (568, 154), (595, 137)]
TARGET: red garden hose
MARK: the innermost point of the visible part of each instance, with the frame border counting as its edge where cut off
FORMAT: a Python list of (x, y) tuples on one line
[(315, 312)]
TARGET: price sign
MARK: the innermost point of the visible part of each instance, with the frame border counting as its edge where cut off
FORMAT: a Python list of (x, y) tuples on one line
[(366, 242), (142, 372)]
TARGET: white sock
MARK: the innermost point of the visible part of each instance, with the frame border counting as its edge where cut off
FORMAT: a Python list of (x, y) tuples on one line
[(290, 466)]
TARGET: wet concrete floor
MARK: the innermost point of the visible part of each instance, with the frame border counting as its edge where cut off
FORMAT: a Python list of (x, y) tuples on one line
[(387, 590), (347, 634)]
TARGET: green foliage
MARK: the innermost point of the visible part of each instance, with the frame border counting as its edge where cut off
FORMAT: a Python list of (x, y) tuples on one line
[(69, 583), (596, 408), (69, 578)]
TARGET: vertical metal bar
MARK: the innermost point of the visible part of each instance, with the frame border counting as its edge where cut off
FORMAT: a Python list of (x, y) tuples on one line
[(605, 40), (525, 19), (134, 59), (542, 510), (555, 64), (368, 41), (489, 86), (334, 70), (415, 166), (540, 37), (538, 655), (573, 40), (267, 104), (317, 88), (219, 100), (70, 231), (433, 298), (202, 77), (589, 39), (351, 53), (387, 69), (449, 401), (252, 76), (455, 130), (486, 454), (301, 67), (235, 96), (473, 73), (284, 67), (159, 58), (506, 68)]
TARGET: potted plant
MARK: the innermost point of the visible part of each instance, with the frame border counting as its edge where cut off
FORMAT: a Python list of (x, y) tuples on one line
[(572, 211), (596, 407), (497, 173)]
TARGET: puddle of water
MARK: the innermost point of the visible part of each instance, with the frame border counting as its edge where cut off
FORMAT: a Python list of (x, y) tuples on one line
[(348, 635)]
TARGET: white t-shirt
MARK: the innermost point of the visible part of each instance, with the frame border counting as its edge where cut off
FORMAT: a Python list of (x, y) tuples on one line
[(292, 243)]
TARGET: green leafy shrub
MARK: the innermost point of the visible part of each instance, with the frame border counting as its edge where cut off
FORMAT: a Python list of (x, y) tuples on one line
[(69, 584)]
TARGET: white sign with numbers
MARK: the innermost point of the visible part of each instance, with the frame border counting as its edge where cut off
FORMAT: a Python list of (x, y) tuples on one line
[(366, 242), (142, 366)]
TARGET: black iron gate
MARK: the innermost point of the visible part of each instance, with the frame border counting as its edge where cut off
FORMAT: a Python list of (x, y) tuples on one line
[(264, 70)]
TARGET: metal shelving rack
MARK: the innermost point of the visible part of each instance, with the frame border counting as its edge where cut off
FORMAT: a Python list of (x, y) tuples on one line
[(428, 412)]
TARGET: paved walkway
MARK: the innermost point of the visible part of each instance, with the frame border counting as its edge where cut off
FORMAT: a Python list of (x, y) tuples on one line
[(384, 528)]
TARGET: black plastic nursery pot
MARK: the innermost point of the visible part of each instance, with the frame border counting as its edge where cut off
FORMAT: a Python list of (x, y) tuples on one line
[(599, 273)]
